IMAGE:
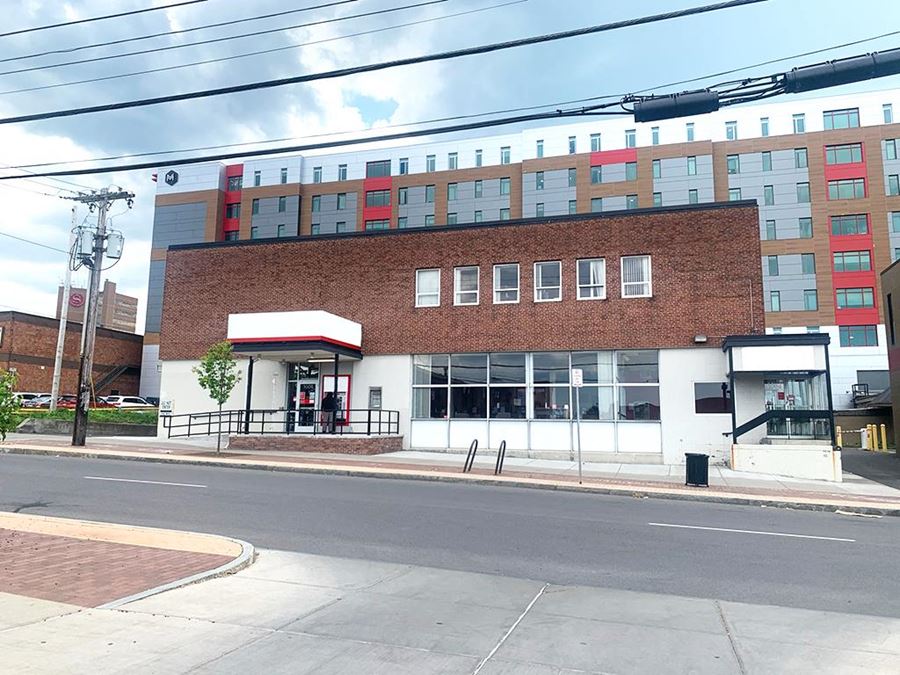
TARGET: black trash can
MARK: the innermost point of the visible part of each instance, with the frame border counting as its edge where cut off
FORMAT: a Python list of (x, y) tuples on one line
[(696, 469)]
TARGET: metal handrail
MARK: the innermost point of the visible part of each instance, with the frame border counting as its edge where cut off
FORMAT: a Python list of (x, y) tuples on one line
[(780, 414), (352, 422)]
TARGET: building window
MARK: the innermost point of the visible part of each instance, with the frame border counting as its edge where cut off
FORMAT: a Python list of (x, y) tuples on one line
[(378, 224), (504, 155), (465, 286), (429, 163), (731, 133), (573, 177), (233, 210), (547, 281), (841, 119), (772, 261), (855, 224), (595, 142), (429, 194), (630, 170), (378, 169), (257, 178), (452, 192), (764, 126), (712, 397), (801, 160), (693, 197), (692, 166), (639, 400), (342, 172), (850, 153), (403, 222), (636, 277), (767, 161), (340, 226), (630, 138), (430, 380), (890, 149), (341, 201), (571, 145), (479, 189), (281, 231), (894, 185), (378, 198), (896, 254), (539, 210), (771, 231), (539, 180), (478, 216), (573, 206), (282, 204), (657, 199), (853, 261), (807, 263), (654, 135), (504, 214), (428, 288), (317, 174), (858, 336), (504, 186), (657, 168), (539, 152), (775, 301), (404, 166), (734, 194), (800, 123), (254, 231), (851, 188), (506, 283), (888, 110), (592, 279), (596, 204), (631, 201), (596, 174), (429, 220), (478, 155), (768, 195), (803, 193), (231, 236), (689, 128), (812, 329), (855, 298), (452, 218), (452, 161), (895, 221), (235, 183), (254, 207), (316, 203), (805, 226), (403, 195), (284, 175), (733, 162)]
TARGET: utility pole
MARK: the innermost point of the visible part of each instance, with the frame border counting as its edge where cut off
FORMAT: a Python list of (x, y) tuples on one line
[(90, 248), (63, 317)]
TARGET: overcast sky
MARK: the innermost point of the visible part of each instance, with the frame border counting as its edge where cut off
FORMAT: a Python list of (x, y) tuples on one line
[(620, 61)]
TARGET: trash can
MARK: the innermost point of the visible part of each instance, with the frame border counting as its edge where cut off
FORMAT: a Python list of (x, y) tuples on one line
[(696, 469)]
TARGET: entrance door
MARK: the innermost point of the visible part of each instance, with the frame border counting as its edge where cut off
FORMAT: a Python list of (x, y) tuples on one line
[(789, 394), (302, 396)]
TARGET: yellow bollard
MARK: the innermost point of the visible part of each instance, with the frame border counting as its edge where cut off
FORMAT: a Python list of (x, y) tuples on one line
[(839, 436), (884, 437), (869, 445), (874, 438)]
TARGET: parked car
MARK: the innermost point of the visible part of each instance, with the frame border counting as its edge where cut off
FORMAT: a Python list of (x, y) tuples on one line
[(24, 396), (128, 402), (38, 402)]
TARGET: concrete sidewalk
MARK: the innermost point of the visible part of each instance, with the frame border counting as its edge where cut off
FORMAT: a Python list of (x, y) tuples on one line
[(652, 480), (297, 613)]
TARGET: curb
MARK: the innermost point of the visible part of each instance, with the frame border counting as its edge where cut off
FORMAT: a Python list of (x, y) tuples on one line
[(638, 492)]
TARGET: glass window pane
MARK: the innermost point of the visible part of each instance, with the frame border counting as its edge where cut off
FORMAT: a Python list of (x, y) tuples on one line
[(508, 403), (430, 403), (639, 365), (587, 361), (639, 403), (430, 369), (507, 368), (550, 367), (551, 403), (712, 397), (469, 402), (468, 369), (596, 403)]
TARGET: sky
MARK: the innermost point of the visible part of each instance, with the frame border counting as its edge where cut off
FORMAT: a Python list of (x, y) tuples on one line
[(624, 60)]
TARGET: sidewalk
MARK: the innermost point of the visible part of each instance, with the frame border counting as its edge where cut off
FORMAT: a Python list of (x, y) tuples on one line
[(643, 480)]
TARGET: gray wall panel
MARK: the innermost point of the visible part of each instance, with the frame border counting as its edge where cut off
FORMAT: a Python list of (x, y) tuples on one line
[(555, 196), (269, 218), (155, 295), (179, 224), (674, 182), (329, 216), (790, 283)]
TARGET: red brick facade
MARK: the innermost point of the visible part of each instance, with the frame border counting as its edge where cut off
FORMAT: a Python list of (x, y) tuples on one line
[(707, 280), (29, 345)]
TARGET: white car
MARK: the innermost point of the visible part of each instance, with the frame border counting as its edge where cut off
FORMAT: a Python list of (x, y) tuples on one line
[(127, 402)]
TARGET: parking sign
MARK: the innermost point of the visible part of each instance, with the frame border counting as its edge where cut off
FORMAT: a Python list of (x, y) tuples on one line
[(577, 377)]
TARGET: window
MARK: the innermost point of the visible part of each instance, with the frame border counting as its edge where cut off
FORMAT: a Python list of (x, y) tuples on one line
[(231, 236), (841, 119), (890, 321), (281, 230), (507, 386), (547, 281), (429, 194), (734, 194), (571, 145), (712, 397), (429, 163), (657, 199), (573, 177), (539, 180), (850, 188), (803, 193), (630, 138), (233, 210), (890, 149), (895, 221), (764, 126), (404, 166), (504, 155), (316, 203), (858, 336), (812, 329), (767, 161), (805, 227), (504, 214), (378, 169), (452, 192), (692, 166), (478, 217), (506, 283), (894, 185), (341, 201), (596, 174), (654, 135), (596, 204), (465, 286), (801, 161), (235, 183), (478, 157), (254, 207), (342, 172), (403, 222), (551, 393), (539, 152), (573, 206), (380, 224), (855, 224), (254, 231), (853, 261), (284, 175), (775, 301), (771, 231), (636, 279), (693, 197), (595, 142), (851, 153), (504, 186), (452, 218), (539, 210), (403, 195), (430, 401), (257, 178), (429, 220), (731, 131), (657, 168), (800, 123), (631, 201), (768, 195), (452, 160), (630, 170), (733, 164), (772, 262), (479, 188), (375, 398), (282, 204), (428, 288), (317, 174), (592, 279), (807, 263), (638, 369), (689, 128), (896, 254), (340, 226), (888, 110), (378, 198), (855, 298)]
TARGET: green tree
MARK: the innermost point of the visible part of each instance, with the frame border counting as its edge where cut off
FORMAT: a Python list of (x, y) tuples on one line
[(9, 404), (218, 374)]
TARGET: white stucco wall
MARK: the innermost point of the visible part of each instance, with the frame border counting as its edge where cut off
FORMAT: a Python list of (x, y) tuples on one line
[(394, 375), (798, 461)]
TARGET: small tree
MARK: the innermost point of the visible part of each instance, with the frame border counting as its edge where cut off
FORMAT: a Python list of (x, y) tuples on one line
[(218, 374), (9, 404)]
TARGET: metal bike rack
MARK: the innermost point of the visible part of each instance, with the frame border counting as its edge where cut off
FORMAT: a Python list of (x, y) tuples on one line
[(501, 456), (470, 457)]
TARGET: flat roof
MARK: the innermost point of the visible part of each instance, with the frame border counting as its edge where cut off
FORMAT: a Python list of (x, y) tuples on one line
[(772, 340)]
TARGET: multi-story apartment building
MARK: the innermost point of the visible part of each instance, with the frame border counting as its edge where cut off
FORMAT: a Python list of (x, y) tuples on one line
[(116, 311), (824, 171)]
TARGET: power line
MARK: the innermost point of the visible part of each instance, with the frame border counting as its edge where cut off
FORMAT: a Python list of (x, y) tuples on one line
[(228, 38), (261, 51), (343, 72), (24, 189), (100, 18), (33, 243), (181, 31)]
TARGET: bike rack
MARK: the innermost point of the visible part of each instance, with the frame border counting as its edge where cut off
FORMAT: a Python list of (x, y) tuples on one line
[(470, 457), (501, 456)]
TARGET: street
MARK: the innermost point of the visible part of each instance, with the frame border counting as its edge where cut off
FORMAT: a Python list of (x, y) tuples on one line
[(767, 556)]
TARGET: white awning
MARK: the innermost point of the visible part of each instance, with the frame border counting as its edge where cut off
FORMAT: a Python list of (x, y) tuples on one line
[(303, 330)]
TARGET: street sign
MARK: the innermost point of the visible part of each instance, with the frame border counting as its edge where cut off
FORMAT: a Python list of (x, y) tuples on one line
[(577, 377), (165, 407)]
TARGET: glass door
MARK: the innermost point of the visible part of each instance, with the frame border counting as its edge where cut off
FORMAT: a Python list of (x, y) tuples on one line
[(302, 396), (790, 394)]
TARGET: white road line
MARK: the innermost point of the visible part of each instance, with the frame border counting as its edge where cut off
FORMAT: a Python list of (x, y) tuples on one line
[(771, 534), (145, 482)]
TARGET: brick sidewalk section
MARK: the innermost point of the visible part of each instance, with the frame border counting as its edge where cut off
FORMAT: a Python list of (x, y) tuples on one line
[(90, 573)]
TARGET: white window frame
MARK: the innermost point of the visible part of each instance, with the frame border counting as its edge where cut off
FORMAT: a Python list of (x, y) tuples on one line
[(580, 284), (539, 287), (456, 289), (648, 282), (498, 289), (419, 294)]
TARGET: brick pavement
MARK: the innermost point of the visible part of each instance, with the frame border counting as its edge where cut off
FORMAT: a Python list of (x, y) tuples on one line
[(90, 573)]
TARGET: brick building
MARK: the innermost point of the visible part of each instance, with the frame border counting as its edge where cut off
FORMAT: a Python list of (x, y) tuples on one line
[(28, 346), (117, 311)]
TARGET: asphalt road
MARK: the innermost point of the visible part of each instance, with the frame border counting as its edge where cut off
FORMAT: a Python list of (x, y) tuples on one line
[(838, 563)]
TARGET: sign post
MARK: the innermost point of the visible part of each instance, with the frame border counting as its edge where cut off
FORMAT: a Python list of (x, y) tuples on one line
[(578, 383)]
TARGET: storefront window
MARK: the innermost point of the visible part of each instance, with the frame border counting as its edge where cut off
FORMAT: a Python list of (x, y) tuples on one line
[(507, 369), (430, 369), (508, 403), (637, 366), (468, 369), (430, 402), (551, 403), (551, 368), (596, 403), (639, 403), (469, 402)]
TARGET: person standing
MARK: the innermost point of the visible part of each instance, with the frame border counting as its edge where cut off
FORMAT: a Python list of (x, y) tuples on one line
[(329, 405)]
